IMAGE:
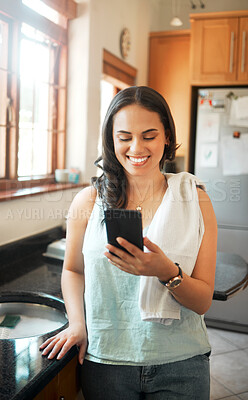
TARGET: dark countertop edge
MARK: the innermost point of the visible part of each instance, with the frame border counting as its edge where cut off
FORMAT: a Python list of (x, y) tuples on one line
[(38, 383)]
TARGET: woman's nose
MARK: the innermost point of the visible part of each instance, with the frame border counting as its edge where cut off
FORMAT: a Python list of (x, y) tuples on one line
[(136, 146)]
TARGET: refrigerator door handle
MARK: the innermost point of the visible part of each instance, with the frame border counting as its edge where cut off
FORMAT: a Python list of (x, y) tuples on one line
[(231, 52), (243, 52)]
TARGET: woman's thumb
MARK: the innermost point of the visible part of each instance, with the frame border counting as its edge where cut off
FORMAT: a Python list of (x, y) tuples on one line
[(81, 353), (150, 245)]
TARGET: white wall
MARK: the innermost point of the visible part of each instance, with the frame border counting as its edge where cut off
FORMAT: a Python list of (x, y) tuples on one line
[(161, 11), (31, 215)]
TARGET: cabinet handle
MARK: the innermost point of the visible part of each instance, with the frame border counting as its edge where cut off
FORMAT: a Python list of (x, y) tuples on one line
[(231, 52), (243, 52)]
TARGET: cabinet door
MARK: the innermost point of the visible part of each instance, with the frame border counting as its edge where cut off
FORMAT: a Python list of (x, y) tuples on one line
[(169, 75), (214, 50), (50, 391), (68, 381), (64, 386), (243, 51)]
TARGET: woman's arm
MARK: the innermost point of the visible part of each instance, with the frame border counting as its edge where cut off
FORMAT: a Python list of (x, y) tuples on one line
[(196, 291), (73, 280)]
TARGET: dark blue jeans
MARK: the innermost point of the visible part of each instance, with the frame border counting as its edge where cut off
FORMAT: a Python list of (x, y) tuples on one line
[(187, 379)]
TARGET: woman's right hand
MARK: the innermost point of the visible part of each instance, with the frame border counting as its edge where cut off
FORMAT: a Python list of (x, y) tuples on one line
[(61, 343)]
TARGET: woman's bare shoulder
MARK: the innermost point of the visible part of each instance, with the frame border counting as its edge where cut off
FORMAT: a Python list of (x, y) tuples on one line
[(83, 203)]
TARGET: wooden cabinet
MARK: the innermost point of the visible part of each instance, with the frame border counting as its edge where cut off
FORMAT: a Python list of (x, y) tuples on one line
[(243, 50), (219, 48), (169, 75), (64, 386)]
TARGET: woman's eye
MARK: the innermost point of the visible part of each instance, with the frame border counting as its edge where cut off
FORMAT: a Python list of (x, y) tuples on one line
[(124, 140), (149, 138)]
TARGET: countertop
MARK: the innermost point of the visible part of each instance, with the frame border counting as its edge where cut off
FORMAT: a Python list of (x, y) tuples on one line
[(23, 370)]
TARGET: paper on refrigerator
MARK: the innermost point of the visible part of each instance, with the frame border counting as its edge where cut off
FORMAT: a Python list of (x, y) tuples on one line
[(234, 153), (209, 126), (238, 113)]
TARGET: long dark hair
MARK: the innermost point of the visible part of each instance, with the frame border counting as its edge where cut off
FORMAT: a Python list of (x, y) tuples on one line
[(111, 185)]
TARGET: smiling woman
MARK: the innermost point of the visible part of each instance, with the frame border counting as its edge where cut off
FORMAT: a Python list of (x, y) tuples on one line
[(136, 314)]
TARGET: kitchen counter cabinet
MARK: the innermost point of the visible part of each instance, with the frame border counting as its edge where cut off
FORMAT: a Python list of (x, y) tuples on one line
[(65, 385), (219, 48)]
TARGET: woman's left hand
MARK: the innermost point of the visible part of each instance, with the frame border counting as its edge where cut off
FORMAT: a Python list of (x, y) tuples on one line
[(137, 262)]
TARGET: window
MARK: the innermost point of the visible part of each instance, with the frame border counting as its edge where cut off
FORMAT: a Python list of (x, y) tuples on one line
[(33, 64), (3, 94), (38, 107)]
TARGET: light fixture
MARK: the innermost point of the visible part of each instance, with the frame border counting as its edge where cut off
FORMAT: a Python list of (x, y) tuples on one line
[(176, 21)]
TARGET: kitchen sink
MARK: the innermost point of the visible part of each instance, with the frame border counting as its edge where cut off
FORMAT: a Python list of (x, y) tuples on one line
[(31, 314)]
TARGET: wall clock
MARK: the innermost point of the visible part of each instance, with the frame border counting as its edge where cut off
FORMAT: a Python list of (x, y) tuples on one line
[(125, 42)]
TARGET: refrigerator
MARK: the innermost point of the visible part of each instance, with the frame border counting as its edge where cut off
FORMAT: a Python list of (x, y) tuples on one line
[(221, 162)]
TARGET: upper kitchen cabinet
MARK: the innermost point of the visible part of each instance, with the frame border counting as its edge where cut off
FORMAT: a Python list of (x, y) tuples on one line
[(219, 48), (169, 75), (243, 50)]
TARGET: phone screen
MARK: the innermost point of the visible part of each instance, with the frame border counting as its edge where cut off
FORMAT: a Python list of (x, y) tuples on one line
[(126, 224)]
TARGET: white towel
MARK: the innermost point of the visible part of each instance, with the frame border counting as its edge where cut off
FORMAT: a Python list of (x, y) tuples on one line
[(177, 228)]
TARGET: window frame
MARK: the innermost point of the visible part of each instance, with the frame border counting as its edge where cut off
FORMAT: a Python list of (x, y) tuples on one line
[(16, 14)]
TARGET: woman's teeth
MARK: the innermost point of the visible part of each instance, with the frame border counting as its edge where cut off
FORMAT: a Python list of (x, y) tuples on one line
[(138, 160)]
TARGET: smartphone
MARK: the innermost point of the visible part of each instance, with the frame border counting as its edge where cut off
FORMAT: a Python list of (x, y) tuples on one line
[(124, 223)]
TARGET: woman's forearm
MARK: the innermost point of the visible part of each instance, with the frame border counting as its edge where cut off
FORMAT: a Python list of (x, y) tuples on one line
[(194, 294), (73, 294)]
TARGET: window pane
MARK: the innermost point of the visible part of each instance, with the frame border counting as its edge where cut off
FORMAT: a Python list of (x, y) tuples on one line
[(34, 104), (3, 44), (25, 146), (3, 97), (3, 71), (40, 143), (2, 152)]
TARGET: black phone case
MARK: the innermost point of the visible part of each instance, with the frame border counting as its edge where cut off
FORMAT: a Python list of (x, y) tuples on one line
[(126, 224)]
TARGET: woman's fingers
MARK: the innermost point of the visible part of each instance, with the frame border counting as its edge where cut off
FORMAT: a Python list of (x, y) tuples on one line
[(43, 345), (131, 248), (53, 347), (127, 256), (64, 349), (60, 344)]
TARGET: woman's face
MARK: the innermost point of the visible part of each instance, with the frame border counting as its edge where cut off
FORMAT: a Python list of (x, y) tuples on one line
[(139, 140)]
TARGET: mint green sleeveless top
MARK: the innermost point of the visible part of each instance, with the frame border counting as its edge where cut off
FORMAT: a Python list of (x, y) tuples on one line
[(116, 333)]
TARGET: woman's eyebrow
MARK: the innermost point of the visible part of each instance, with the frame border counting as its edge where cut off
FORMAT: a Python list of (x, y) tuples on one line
[(150, 130), (146, 131)]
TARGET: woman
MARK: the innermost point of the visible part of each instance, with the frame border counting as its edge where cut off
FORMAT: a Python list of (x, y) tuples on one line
[(144, 335)]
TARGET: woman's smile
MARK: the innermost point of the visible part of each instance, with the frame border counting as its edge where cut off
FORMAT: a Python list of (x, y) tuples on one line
[(138, 161)]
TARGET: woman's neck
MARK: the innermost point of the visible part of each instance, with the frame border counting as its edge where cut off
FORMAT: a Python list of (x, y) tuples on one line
[(142, 188)]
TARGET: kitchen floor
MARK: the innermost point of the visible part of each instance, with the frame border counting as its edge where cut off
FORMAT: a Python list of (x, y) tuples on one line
[(228, 365)]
